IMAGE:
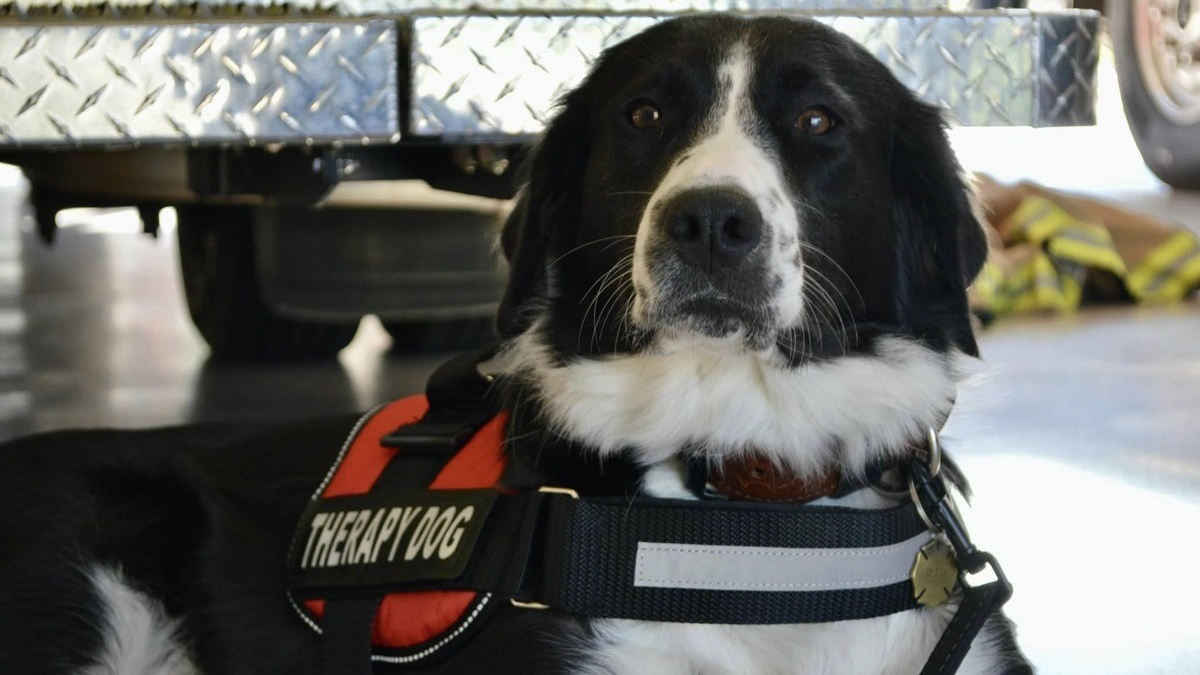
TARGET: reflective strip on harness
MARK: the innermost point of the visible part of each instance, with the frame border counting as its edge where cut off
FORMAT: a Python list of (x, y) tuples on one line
[(773, 569)]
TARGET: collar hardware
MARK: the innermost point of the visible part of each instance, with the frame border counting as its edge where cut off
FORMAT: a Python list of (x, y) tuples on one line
[(936, 508), (978, 602)]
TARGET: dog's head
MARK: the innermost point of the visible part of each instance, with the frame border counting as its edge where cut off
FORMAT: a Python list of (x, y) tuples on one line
[(742, 234), (767, 181)]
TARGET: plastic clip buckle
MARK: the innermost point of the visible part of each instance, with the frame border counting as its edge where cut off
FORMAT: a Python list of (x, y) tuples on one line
[(431, 435)]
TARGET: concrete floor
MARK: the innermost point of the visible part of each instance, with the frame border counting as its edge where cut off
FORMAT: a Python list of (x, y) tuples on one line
[(1079, 432)]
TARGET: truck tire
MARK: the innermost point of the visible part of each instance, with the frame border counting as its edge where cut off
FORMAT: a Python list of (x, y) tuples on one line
[(1157, 49), (452, 335), (216, 257)]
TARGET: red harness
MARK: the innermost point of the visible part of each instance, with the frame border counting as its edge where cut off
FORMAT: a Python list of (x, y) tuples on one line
[(417, 621)]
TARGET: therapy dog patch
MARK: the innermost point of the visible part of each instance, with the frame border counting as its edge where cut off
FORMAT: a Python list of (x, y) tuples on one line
[(355, 538), (389, 538)]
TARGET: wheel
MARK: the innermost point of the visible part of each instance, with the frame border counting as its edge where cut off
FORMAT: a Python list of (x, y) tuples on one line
[(1157, 48), (453, 335), (217, 264)]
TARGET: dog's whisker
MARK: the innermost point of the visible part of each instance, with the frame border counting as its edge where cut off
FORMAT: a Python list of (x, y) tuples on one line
[(809, 248), (624, 285), (603, 311), (830, 290), (614, 275), (618, 237), (834, 299), (607, 279), (825, 305), (623, 328), (615, 299), (832, 320), (600, 282)]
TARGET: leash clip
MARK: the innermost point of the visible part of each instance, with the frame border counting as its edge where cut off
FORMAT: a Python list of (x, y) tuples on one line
[(933, 582), (935, 505)]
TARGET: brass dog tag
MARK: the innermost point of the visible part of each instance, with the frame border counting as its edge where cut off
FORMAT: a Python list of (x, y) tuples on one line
[(934, 573)]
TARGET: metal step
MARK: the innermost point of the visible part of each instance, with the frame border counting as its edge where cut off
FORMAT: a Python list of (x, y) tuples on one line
[(474, 77)]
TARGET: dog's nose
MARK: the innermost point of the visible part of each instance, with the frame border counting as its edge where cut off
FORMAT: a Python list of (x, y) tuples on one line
[(713, 227)]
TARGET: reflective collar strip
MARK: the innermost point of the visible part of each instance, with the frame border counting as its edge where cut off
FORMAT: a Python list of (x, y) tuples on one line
[(772, 569)]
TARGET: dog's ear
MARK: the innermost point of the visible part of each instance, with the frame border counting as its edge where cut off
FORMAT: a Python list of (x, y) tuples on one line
[(942, 245), (550, 197)]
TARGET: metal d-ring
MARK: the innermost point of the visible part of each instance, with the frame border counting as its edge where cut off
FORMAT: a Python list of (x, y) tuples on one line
[(912, 493), (935, 454), (935, 467)]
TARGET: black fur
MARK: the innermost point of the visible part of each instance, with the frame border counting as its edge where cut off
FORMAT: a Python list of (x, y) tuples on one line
[(199, 518), (893, 211)]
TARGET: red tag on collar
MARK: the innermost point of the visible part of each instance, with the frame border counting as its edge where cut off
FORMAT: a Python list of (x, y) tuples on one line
[(755, 478)]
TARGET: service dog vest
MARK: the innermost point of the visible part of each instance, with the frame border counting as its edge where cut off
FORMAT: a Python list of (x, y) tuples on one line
[(402, 553), (410, 626)]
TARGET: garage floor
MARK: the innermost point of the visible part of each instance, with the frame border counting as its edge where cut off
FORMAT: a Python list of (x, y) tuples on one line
[(1080, 432)]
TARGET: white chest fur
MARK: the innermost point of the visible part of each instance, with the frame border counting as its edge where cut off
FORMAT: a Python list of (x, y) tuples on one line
[(893, 645), (847, 411)]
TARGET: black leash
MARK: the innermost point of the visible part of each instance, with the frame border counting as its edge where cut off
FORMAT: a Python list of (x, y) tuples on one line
[(978, 602)]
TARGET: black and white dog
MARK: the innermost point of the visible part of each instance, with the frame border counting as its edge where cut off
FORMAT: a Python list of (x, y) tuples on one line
[(738, 236)]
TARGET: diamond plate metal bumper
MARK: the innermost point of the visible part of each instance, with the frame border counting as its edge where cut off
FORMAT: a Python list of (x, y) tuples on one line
[(478, 77), (473, 77), (121, 8), (203, 83)]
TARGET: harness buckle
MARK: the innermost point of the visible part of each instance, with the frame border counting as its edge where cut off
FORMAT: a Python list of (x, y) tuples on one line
[(438, 433), (548, 490)]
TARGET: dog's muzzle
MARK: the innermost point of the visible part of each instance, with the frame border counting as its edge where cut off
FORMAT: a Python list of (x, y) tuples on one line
[(712, 230), (709, 263)]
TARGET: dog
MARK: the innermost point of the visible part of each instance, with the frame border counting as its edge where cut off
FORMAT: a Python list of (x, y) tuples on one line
[(737, 238)]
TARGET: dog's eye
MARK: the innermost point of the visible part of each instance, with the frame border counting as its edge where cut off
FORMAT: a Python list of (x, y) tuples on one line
[(815, 121), (645, 116)]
